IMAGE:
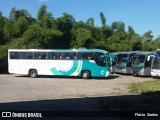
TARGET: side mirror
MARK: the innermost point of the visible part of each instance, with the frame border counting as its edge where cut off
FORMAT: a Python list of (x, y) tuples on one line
[(148, 58)]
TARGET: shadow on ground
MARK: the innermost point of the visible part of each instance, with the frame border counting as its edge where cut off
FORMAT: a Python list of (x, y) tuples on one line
[(125, 104), (72, 77)]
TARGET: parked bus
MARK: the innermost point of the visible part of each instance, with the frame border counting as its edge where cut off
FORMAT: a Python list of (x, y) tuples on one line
[(77, 62), (141, 63), (113, 61), (155, 67), (123, 64)]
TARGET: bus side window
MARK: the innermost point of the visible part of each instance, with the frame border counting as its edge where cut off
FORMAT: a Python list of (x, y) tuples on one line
[(65, 55), (80, 55), (23, 55), (14, 55), (85, 55), (90, 55), (29, 55), (58, 55), (51, 55), (73, 55), (99, 55), (37, 55), (43, 55), (98, 58), (102, 62)]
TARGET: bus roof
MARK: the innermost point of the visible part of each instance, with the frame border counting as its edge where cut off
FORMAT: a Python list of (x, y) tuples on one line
[(123, 52), (61, 50), (114, 53), (146, 53)]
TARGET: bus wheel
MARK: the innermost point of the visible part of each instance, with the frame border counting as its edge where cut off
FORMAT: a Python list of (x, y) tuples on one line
[(86, 75), (33, 73)]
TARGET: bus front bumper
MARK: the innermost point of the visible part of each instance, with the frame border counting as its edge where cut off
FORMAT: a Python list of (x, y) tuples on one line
[(155, 73)]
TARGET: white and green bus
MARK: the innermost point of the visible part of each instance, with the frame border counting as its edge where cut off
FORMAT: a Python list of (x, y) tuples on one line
[(141, 63), (122, 62), (76, 62)]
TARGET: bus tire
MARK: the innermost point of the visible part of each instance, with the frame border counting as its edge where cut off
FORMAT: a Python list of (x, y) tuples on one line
[(33, 73), (86, 74)]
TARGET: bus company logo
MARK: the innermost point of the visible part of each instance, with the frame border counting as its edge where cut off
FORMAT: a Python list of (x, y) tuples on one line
[(6, 114), (102, 72)]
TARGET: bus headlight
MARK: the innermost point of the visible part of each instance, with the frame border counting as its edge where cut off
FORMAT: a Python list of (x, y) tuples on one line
[(107, 73), (153, 71)]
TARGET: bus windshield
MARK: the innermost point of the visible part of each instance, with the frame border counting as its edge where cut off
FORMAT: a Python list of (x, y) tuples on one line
[(122, 60), (157, 53), (138, 61), (156, 63), (134, 60)]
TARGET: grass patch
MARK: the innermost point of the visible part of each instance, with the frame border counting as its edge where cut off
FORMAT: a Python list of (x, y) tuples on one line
[(148, 98), (148, 86)]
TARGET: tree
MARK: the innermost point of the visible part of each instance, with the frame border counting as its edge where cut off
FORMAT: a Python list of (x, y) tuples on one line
[(2, 22), (8, 30), (83, 37), (90, 21), (136, 42), (147, 46), (44, 18), (148, 36), (64, 24), (20, 26), (118, 26), (103, 19), (38, 37), (42, 12), (156, 43), (15, 14), (12, 15)]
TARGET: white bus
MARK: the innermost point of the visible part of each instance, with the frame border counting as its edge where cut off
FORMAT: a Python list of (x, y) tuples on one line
[(155, 67), (81, 62)]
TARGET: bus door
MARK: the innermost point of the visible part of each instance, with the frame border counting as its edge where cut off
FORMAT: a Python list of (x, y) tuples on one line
[(129, 63), (121, 62), (147, 68)]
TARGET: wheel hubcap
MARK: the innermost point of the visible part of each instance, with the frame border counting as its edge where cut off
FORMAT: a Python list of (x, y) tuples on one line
[(84, 74), (33, 74)]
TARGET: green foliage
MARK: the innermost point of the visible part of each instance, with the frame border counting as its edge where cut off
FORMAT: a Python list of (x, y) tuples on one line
[(82, 37), (44, 18), (156, 43), (148, 86), (20, 26), (103, 19), (147, 46), (3, 59), (8, 30), (21, 30), (148, 36)]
